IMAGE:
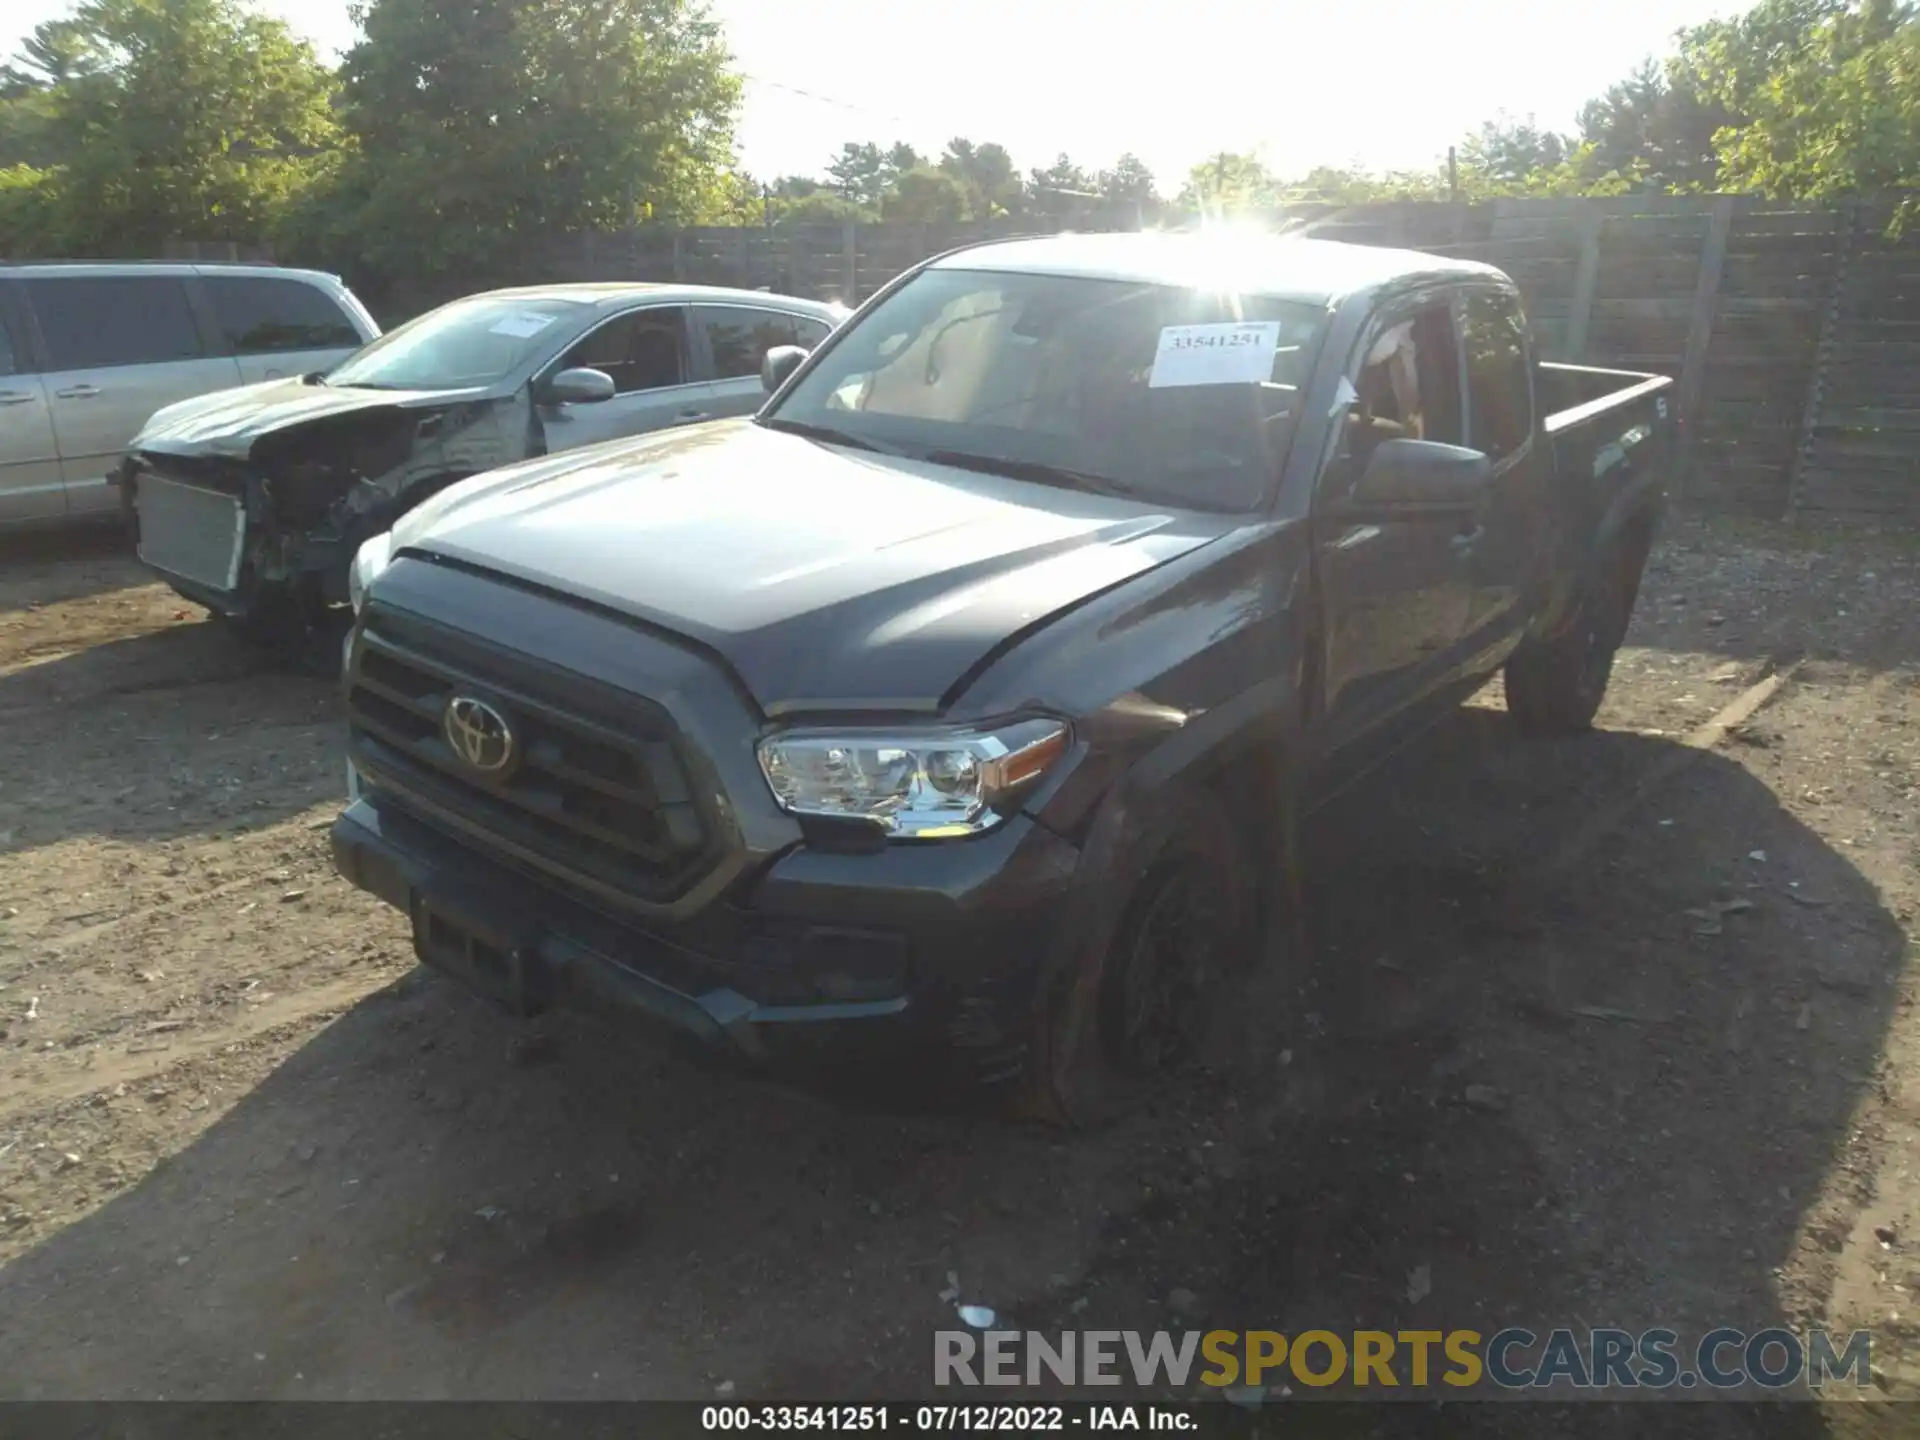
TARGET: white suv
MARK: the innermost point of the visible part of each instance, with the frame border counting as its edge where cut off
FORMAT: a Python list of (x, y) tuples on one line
[(89, 351)]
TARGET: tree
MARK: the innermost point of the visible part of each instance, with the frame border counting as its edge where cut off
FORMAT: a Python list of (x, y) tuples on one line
[(156, 119), (1831, 109), (56, 52), (864, 173), (1129, 186), (1504, 156), (1060, 192), (1227, 182), (479, 123), (987, 175), (1671, 124), (859, 172), (1653, 130), (927, 196), (822, 207), (1331, 185)]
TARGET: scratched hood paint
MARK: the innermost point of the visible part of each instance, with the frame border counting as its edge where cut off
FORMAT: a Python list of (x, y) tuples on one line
[(228, 423), (825, 577)]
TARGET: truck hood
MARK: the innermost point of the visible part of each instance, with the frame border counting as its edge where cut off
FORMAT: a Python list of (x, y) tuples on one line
[(827, 578), (226, 424)]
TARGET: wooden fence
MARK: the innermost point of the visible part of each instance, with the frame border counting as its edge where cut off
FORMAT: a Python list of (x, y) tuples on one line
[(1793, 333)]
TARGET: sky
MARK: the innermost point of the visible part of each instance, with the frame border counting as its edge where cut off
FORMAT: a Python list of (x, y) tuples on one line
[(1377, 84)]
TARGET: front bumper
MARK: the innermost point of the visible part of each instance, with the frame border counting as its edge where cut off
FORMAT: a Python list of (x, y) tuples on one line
[(904, 955), (214, 538)]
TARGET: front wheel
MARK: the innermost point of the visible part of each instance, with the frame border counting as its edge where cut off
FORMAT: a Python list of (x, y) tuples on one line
[(1555, 686), (1149, 997)]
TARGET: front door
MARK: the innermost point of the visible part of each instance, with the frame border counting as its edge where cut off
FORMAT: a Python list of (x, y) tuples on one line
[(119, 347), (648, 354), (1396, 602)]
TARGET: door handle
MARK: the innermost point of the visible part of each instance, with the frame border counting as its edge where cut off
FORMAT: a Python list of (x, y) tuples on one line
[(15, 397), (1467, 539), (694, 415), (78, 392)]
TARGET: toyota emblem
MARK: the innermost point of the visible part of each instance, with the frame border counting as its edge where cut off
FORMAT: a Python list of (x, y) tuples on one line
[(479, 734)]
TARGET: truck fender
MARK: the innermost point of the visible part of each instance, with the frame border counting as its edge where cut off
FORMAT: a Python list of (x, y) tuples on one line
[(1638, 503), (1260, 725), (1625, 535)]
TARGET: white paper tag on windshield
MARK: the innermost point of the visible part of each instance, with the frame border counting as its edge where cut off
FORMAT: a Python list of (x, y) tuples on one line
[(1343, 396), (1239, 353), (520, 327)]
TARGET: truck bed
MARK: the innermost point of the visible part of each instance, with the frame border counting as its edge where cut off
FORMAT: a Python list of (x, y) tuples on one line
[(1570, 394), (1616, 439)]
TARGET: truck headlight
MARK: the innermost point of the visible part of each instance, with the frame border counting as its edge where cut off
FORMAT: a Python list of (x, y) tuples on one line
[(368, 561), (914, 784)]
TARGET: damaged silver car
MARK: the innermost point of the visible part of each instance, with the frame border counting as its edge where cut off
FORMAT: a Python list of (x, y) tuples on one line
[(252, 501)]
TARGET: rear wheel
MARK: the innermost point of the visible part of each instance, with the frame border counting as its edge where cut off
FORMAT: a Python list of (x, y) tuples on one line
[(1149, 998), (1555, 686)]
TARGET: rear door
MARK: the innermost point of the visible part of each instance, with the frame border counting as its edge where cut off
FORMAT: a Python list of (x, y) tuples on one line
[(737, 338), (1393, 586), (279, 325), (30, 487), (649, 354), (118, 348)]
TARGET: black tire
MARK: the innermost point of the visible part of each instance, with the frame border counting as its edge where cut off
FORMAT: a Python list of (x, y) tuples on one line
[(1555, 686), (1149, 995)]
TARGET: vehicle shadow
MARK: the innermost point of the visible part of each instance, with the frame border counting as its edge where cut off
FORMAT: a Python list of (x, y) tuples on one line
[(43, 567), (1508, 1097), (175, 731)]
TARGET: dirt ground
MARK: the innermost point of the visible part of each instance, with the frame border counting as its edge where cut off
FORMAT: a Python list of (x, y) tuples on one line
[(1552, 1073)]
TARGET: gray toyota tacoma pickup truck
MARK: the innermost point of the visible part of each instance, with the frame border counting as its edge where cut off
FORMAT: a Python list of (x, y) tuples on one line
[(958, 711)]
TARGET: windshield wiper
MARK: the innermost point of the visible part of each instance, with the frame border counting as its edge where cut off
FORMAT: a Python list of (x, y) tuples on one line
[(1031, 470), (826, 433)]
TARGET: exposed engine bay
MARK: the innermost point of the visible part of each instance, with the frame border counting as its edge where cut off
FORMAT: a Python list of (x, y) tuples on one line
[(257, 514)]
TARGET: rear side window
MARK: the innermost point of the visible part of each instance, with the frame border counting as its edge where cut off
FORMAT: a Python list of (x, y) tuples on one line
[(95, 322), (260, 316), (1499, 397), (740, 337)]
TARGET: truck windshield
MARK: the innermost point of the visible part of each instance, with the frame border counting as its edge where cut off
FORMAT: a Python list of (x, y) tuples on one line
[(468, 343), (1175, 395)]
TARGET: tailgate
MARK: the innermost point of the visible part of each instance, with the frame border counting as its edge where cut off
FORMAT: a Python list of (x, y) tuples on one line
[(190, 531)]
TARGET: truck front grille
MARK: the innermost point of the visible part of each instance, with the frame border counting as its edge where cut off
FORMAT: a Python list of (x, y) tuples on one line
[(598, 795)]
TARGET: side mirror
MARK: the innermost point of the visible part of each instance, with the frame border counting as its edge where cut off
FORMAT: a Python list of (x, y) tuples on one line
[(1419, 474), (780, 362), (580, 386)]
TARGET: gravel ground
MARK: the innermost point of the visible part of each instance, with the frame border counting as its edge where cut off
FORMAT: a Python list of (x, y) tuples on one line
[(1617, 1031)]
